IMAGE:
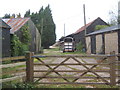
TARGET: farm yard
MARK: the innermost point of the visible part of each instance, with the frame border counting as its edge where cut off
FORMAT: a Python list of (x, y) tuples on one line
[(67, 71), (56, 44)]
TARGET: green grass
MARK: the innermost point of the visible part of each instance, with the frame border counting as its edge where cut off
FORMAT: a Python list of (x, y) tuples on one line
[(7, 62), (62, 86), (9, 69), (12, 68), (105, 86), (18, 84), (6, 76), (56, 51)]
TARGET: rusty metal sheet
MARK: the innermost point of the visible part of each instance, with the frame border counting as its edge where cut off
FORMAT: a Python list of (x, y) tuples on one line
[(15, 23)]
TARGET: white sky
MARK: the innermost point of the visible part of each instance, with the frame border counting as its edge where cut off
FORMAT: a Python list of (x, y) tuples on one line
[(69, 12)]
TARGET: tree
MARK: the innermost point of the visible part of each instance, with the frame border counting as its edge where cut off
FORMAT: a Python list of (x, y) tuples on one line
[(15, 46), (113, 18), (19, 15), (27, 14), (18, 47), (26, 37), (6, 16), (13, 15), (48, 33), (98, 27), (45, 24)]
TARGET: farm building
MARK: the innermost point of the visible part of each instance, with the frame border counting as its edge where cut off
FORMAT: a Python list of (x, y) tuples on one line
[(79, 35), (104, 41), (5, 38), (17, 23)]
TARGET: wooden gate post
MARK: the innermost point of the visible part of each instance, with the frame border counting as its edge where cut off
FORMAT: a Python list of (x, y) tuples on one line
[(29, 67), (112, 69)]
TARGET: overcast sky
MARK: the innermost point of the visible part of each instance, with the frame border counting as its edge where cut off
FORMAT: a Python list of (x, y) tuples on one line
[(68, 12)]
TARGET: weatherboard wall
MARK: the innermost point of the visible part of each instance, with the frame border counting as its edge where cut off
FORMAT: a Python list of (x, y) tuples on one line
[(6, 42)]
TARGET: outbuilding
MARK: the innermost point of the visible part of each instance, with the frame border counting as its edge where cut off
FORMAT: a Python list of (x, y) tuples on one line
[(17, 23), (104, 41), (5, 39), (79, 35)]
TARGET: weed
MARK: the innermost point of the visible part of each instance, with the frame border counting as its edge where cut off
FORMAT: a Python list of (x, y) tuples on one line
[(25, 86)]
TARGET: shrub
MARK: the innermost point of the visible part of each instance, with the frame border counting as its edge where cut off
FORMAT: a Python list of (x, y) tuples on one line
[(18, 47), (80, 47)]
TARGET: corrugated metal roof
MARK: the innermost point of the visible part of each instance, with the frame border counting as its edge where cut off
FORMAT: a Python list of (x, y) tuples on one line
[(108, 29), (3, 24), (15, 23)]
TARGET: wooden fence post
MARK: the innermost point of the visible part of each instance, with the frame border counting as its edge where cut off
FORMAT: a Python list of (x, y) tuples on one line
[(29, 67), (112, 69)]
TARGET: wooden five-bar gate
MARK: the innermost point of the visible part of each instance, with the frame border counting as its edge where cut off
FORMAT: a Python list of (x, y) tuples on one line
[(62, 66)]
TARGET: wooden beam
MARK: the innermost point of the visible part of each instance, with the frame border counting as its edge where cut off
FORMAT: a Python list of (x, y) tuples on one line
[(13, 58), (70, 64), (72, 83), (29, 67), (70, 77), (72, 71), (112, 69)]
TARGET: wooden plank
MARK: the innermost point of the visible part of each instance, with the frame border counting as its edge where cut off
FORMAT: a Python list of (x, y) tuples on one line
[(13, 72), (12, 65), (70, 64), (63, 56), (72, 71), (77, 55), (11, 79), (71, 83), (70, 77), (13, 58)]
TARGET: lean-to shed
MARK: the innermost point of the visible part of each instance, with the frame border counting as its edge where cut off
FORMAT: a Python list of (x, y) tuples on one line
[(17, 23), (104, 41)]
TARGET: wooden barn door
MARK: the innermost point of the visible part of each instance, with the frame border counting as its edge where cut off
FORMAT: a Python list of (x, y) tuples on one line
[(93, 44)]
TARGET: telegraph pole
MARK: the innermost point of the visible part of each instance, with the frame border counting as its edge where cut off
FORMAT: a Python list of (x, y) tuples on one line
[(84, 18), (84, 26), (64, 30)]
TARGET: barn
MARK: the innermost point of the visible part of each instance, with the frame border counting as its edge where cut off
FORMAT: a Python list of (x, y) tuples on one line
[(5, 41), (79, 35), (17, 23), (104, 41)]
